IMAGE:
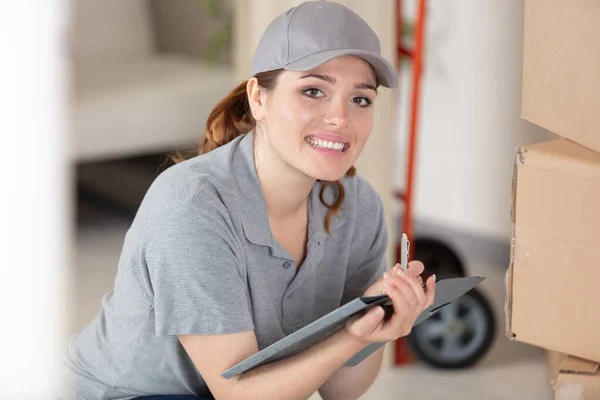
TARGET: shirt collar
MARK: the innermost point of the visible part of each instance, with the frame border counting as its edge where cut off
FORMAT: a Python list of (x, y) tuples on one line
[(254, 217)]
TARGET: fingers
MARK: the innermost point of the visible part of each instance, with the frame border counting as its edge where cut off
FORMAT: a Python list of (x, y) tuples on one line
[(376, 288), (417, 298), (405, 291), (368, 323), (415, 268), (409, 298), (402, 308), (417, 289), (430, 291)]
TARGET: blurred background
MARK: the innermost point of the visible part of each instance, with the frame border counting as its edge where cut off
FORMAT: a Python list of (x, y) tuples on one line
[(98, 94)]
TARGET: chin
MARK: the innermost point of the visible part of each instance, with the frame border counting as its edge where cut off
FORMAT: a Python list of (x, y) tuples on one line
[(328, 176)]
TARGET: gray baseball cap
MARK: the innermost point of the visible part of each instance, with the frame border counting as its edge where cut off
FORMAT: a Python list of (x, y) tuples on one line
[(315, 32)]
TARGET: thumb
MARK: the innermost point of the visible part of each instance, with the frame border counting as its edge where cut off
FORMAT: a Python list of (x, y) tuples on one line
[(366, 324)]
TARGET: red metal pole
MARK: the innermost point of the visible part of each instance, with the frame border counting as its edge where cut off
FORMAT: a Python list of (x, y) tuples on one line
[(414, 118), (402, 354)]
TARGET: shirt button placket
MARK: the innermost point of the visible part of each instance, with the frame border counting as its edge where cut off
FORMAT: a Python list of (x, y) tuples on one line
[(288, 313), (290, 319)]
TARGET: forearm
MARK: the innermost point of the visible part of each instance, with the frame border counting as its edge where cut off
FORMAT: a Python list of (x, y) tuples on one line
[(298, 377), (351, 382)]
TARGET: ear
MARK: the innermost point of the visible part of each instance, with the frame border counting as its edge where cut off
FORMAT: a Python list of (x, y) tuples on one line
[(257, 99)]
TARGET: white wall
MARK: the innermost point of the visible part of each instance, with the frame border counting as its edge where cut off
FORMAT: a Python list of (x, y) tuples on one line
[(33, 201), (470, 115)]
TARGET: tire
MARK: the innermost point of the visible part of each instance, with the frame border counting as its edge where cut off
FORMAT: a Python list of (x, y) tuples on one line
[(457, 336), (438, 259)]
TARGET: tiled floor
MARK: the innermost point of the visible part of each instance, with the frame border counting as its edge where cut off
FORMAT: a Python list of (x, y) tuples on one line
[(509, 371)]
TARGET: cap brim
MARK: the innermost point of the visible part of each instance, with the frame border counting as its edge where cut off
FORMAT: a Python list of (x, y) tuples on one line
[(386, 74)]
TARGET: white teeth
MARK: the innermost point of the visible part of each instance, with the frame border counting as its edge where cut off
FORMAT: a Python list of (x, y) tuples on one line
[(326, 144)]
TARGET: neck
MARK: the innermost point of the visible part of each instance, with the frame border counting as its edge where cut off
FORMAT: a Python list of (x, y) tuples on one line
[(285, 189)]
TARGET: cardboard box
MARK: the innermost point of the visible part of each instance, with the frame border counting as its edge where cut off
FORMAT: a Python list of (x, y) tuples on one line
[(553, 281), (578, 379), (561, 64)]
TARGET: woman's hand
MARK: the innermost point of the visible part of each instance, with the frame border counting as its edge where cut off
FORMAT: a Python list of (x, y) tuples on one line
[(409, 299)]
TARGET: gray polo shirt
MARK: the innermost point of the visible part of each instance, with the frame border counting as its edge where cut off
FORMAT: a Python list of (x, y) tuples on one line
[(199, 258)]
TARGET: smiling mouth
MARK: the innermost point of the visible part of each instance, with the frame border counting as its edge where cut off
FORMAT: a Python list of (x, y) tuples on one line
[(327, 144)]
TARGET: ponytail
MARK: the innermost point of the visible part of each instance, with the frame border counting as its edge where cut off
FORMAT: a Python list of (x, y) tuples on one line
[(333, 209), (232, 117), (229, 119)]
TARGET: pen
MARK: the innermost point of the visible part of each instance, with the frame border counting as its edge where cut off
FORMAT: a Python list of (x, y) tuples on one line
[(404, 247)]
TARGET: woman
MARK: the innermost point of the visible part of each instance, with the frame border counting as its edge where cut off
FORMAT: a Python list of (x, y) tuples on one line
[(265, 231)]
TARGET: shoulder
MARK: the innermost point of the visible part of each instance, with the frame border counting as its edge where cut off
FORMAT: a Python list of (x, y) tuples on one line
[(203, 176), (190, 194), (361, 197), (182, 214)]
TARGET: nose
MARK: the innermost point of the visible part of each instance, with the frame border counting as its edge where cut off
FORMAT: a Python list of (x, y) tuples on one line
[(336, 113)]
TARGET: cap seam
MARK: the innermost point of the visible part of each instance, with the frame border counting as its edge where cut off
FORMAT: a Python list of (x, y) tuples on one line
[(289, 28), (345, 22)]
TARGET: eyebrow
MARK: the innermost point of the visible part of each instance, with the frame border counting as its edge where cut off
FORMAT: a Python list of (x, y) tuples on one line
[(364, 85), (331, 80)]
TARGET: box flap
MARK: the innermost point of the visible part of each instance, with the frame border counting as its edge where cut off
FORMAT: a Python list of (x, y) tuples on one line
[(576, 365), (562, 157), (519, 156)]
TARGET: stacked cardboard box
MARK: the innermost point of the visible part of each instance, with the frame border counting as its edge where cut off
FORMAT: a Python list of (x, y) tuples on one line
[(555, 263)]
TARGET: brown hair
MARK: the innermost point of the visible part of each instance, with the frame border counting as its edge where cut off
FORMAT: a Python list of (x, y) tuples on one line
[(232, 117)]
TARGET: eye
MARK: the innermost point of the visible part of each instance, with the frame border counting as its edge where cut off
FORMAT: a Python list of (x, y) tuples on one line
[(313, 92), (362, 101)]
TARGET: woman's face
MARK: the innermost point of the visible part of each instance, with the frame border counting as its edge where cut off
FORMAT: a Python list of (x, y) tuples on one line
[(318, 121)]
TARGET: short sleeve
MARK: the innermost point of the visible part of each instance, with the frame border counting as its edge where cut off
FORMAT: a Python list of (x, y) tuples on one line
[(369, 256), (195, 270)]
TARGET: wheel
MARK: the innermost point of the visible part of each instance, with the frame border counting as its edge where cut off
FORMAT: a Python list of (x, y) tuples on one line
[(458, 335), (438, 258)]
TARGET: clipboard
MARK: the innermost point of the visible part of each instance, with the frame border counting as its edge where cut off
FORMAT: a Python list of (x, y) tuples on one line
[(446, 291)]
